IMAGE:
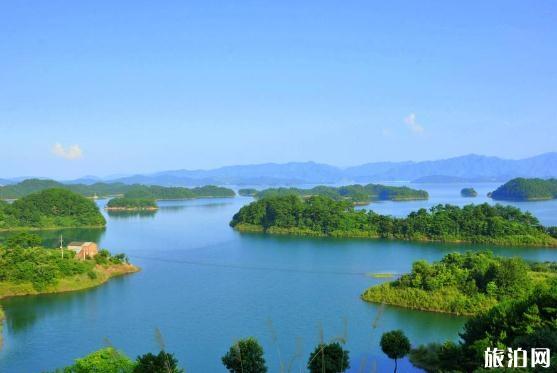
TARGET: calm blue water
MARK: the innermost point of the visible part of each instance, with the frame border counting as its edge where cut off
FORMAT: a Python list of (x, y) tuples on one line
[(204, 285)]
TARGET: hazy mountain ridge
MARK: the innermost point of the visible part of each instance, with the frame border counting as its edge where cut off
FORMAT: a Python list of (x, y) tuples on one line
[(470, 167), (467, 167)]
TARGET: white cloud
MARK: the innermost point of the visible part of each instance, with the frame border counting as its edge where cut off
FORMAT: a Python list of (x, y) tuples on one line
[(410, 121), (71, 153)]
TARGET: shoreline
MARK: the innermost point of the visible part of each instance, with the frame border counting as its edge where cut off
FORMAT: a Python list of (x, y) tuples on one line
[(69, 284), (463, 314), (250, 228), (131, 208), (64, 285)]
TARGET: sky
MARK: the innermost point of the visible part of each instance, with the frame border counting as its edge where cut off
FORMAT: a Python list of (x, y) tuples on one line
[(123, 87)]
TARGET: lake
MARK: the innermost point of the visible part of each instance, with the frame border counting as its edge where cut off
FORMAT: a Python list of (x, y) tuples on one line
[(204, 285)]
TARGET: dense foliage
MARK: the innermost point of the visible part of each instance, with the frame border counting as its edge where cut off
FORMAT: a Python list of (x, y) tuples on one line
[(395, 345), (529, 322), (247, 192), (106, 360), (24, 240), (126, 203), (30, 186), (49, 209), (468, 192), (358, 194), (159, 192), (521, 189), (162, 362), (43, 267), (110, 360), (328, 358), (246, 355), (462, 283), (323, 216)]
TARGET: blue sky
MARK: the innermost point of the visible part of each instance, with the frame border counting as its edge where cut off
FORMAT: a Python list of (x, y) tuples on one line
[(109, 87)]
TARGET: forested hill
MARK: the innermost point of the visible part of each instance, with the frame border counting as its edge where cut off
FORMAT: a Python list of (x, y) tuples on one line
[(160, 192), (51, 208), (357, 194), (29, 186), (323, 216), (468, 283), (521, 189), (124, 203)]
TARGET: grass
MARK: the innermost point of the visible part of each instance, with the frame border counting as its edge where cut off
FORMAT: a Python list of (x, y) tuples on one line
[(78, 282), (381, 275), (516, 240), (445, 300)]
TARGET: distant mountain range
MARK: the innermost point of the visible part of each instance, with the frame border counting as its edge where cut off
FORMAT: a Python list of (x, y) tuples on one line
[(458, 169)]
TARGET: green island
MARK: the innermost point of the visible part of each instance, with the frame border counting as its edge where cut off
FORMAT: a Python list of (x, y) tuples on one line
[(27, 268), (30, 186), (463, 284), (50, 208), (357, 194), (247, 192), (323, 216), (170, 193), (468, 192), (524, 322), (522, 189), (131, 204)]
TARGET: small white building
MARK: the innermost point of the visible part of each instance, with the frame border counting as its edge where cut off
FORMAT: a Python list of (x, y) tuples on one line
[(83, 250)]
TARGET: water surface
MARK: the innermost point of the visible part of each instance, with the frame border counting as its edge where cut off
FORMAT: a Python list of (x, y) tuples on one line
[(204, 285)]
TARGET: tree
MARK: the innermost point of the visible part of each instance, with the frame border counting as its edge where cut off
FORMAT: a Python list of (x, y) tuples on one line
[(163, 362), (23, 240), (106, 360), (328, 358), (245, 356), (395, 345)]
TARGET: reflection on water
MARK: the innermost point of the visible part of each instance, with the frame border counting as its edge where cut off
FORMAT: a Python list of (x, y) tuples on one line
[(23, 312)]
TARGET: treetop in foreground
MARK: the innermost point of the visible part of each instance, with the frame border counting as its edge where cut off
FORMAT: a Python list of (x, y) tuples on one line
[(395, 345), (323, 216), (246, 355), (329, 358)]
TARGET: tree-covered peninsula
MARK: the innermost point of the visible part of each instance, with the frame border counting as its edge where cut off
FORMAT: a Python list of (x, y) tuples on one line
[(468, 192), (323, 216), (28, 268), (131, 204), (357, 194), (51, 208), (518, 322), (463, 284), (30, 186), (521, 189)]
